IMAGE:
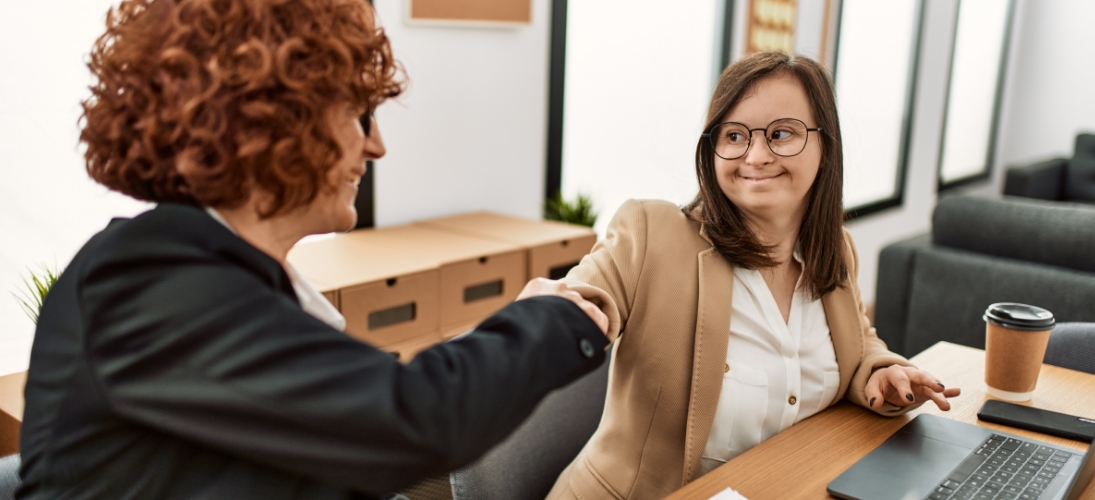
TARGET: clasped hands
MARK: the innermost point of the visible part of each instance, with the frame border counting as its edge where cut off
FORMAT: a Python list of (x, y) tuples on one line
[(906, 386), (544, 286)]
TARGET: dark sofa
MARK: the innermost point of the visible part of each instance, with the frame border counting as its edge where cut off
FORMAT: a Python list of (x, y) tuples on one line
[(1061, 179), (936, 286)]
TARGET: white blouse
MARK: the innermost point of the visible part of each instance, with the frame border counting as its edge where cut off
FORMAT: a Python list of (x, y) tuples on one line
[(776, 373), (311, 300)]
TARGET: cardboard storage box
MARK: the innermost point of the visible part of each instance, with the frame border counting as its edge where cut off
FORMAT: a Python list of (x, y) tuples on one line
[(476, 276), (553, 247), (385, 297), (11, 411), (383, 277)]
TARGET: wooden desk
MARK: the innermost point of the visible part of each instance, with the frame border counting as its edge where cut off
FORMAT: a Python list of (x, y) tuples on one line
[(11, 411), (801, 461)]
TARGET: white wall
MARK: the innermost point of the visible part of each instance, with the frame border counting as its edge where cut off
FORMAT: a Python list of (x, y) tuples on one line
[(48, 206), (1050, 97), (470, 133)]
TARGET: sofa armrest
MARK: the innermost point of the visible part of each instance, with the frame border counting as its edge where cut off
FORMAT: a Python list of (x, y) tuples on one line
[(1044, 180), (895, 270)]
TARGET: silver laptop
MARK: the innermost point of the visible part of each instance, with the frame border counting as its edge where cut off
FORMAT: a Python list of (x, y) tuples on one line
[(941, 459)]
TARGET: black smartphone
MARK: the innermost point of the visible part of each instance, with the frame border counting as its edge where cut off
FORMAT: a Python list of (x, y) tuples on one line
[(1038, 420)]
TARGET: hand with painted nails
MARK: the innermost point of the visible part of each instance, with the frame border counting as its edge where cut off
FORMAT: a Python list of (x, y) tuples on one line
[(905, 386)]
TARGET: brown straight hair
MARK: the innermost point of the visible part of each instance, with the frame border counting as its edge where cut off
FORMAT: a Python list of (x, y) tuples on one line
[(820, 238)]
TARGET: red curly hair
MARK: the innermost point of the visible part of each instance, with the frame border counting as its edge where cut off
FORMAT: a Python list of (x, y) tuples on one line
[(201, 101)]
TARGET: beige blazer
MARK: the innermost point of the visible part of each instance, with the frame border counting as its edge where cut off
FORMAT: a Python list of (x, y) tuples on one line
[(666, 290)]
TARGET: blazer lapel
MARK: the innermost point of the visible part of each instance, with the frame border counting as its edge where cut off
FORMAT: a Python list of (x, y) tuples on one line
[(716, 284), (842, 314)]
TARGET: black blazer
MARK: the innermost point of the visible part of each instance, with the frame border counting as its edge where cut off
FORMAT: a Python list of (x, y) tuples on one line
[(172, 361)]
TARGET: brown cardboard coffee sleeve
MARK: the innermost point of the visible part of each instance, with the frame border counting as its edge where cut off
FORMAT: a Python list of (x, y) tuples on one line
[(1013, 358)]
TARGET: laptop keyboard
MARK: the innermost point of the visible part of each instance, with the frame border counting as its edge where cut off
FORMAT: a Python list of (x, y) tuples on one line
[(1003, 468)]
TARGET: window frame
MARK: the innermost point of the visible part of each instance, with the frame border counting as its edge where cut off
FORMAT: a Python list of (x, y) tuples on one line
[(990, 155), (897, 199), (553, 176)]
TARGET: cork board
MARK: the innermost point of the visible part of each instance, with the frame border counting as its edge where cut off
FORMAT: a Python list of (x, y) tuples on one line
[(484, 12), (771, 26)]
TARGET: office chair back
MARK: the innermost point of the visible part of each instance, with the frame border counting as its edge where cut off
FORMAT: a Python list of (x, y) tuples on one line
[(1072, 346), (525, 465), (9, 477)]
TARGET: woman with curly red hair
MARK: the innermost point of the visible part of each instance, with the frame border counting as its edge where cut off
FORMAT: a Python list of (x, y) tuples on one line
[(180, 356)]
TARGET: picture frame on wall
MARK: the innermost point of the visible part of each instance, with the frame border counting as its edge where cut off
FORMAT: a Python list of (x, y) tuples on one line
[(802, 27), (771, 26), (470, 13)]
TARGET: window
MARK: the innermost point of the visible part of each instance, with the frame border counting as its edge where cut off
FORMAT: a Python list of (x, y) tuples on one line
[(637, 80), (876, 63), (973, 96)]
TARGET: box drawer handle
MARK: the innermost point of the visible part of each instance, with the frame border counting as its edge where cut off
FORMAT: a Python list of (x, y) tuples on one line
[(392, 316), (560, 272), (484, 291)]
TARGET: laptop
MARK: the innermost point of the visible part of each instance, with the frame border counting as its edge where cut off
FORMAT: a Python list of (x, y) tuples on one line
[(941, 459)]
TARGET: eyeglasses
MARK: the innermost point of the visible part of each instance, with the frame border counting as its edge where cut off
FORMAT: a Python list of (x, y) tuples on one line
[(367, 122), (785, 137)]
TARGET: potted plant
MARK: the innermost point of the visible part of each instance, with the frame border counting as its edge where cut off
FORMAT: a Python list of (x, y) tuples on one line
[(35, 290), (577, 211)]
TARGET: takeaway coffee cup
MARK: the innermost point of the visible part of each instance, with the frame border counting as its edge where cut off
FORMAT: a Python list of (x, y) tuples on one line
[(1016, 336)]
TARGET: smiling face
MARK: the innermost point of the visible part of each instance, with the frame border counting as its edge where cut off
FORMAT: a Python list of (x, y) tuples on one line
[(333, 209), (761, 184)]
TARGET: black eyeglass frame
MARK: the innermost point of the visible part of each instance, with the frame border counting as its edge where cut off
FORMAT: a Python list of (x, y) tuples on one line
[(366, 121), (767, 140)]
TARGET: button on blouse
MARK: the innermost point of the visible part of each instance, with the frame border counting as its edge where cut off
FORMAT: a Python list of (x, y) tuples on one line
[(776, 374)]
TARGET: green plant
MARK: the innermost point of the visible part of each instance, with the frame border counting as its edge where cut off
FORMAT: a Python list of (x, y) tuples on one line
[(578, 211), (36, 289)]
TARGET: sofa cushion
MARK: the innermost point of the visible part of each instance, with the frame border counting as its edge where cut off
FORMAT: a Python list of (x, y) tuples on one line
[(1080, 179), (895, 265), (1054, 233), (950, 290), (1085, 145)]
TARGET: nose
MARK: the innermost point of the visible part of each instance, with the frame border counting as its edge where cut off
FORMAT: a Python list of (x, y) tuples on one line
[(759, 153), (374, 143)]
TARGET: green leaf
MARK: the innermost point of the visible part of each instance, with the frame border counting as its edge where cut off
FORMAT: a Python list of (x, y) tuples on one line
[(35, 289), (578, 211)]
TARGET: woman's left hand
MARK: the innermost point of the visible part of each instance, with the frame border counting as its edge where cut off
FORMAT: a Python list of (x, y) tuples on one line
[(905, 386)]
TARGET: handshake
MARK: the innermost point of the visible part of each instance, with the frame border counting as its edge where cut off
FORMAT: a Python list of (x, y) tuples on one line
[(544, 286)]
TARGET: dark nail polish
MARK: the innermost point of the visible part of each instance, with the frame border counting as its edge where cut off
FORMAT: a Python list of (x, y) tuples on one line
[(909, 397), (940, 384), (872, 401)]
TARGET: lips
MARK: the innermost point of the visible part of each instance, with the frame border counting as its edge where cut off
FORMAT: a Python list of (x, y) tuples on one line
[(759, 179)]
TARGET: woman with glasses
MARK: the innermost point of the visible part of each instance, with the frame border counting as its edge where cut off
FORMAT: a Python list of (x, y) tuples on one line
[(180, 356), (738, 315)]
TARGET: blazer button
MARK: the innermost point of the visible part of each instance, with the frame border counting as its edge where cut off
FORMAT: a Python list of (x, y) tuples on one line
[(792, 400), (726, 368), (587, 348)]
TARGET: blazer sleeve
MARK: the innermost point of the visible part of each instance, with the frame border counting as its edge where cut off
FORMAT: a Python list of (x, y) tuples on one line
[(875, 353), (204, 350), (609, 274)]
